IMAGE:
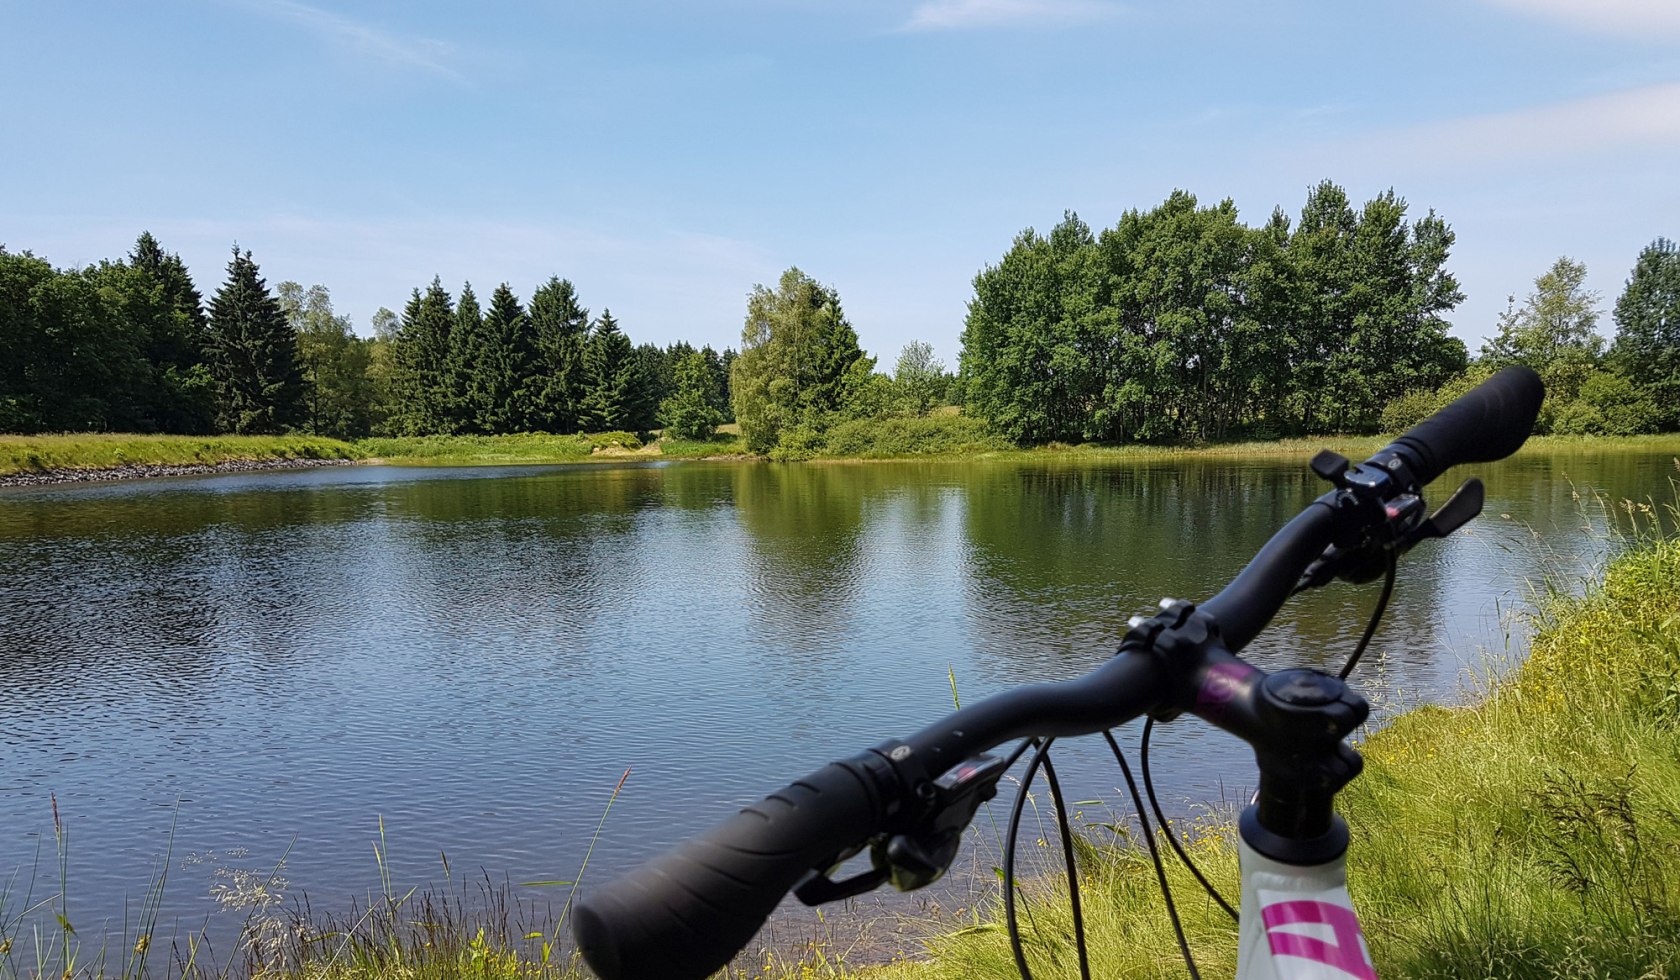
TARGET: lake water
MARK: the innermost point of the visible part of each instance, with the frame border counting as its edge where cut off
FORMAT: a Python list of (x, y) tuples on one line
[(272, 664)]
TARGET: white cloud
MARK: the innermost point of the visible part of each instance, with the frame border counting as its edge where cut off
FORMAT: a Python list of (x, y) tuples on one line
[(1641, 118), (1640, 18), (362, 39), (945, 15)]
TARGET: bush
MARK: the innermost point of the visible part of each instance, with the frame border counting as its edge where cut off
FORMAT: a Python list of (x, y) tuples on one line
[(608, 440), (1413, 407), (1626, 409), (1576, 418), (803, 441), (917, 436), (1408, 410)]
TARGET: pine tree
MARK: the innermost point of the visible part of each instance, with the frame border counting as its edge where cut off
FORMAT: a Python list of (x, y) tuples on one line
[(253, 355), (466, 342), (610, 364), (504, 383), (561, 329), (422, 363), (163, 312)]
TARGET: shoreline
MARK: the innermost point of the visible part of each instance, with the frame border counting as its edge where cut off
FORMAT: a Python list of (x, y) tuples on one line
[(145, 471), (471, 453)]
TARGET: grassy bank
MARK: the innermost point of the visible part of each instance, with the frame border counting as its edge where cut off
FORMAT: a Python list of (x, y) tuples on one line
[(98, 451), (1533, 834), (524, 447), (934, 437)]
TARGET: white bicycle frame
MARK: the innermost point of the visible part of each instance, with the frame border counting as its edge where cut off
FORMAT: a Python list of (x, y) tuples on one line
[(1298, 922)]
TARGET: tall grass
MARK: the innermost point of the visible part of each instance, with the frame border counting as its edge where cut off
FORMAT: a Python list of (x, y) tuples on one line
[(98, 451), (1535, 833), (482, 928), (523, 447)]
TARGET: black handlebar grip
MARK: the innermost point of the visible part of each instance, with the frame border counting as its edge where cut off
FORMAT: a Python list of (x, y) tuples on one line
[(688, 912), (1488, 422)]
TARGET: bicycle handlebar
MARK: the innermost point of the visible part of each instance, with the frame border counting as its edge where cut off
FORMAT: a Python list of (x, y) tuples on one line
[(1488, 422), (687, 913)]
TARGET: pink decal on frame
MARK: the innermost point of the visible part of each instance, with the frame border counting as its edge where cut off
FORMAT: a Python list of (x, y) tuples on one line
[(1347, 953)]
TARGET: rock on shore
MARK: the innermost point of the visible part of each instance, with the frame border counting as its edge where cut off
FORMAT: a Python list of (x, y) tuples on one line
[(138, 471)]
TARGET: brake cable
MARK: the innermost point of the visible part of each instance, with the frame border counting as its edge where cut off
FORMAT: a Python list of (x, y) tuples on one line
[(1376, 616), (1166, 827)]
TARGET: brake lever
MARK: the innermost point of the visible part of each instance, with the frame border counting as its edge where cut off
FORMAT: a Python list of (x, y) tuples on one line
[(1460, 509), (918, 855), (922, 855)]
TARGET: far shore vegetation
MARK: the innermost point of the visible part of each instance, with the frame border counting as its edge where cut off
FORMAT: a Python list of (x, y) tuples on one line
[(1179, 325), (946, 437)]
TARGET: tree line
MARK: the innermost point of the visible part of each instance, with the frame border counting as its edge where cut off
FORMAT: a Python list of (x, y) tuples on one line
[(1182, 324), (130, 345), (1627, 387), (1179, 323), (459, 368)]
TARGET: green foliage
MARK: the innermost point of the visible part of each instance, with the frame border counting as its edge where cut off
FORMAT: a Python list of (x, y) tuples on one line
[(799, 364), (253, 355), (1552, 332), (615, 392), (893, 438), (1647, 347), (119, 345), (421, 364), (504, 391), (1413, 407), (1182, 324), (919, 378), (165, 306), (460, 375), (691, 410), (339, 396), (101, 451), (1608, 405), (561, 326)]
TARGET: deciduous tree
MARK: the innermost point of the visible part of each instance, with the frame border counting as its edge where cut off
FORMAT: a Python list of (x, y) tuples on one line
[(1647, 347)]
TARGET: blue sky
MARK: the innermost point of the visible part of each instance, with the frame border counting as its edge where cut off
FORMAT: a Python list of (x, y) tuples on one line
[(667, 156)]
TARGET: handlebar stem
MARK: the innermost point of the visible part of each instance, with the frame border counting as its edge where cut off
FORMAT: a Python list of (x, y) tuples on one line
[(1295, 720)]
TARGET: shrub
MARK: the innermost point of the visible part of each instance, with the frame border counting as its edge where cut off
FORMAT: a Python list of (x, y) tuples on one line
[(918, 436)]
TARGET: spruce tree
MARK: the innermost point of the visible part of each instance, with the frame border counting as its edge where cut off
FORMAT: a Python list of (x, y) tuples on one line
[(253, 354), (503, 382), (422, 362), (164, 309), (466, 342), (561, 328), (611, 368)]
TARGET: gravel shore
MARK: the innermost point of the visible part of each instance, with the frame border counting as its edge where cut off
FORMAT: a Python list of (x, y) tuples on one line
[(139, 471)]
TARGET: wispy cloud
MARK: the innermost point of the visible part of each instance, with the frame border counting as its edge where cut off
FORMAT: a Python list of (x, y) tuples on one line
[(1637, 119), (1639, 18), (948, 15), (362, 39)]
